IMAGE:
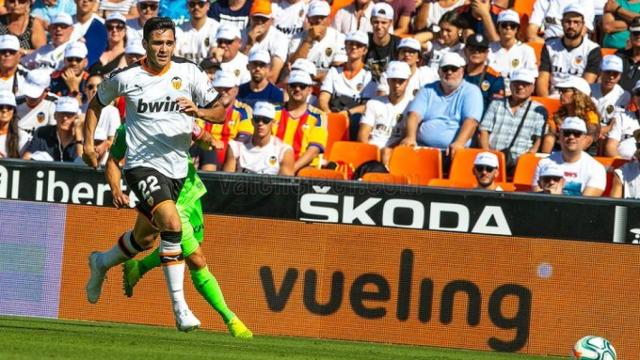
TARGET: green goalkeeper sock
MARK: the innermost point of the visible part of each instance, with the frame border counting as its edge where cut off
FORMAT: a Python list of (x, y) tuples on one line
[(149, 262), (208, 287)]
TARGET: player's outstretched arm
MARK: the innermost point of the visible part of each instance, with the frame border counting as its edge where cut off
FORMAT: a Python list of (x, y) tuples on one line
[(91, 120)]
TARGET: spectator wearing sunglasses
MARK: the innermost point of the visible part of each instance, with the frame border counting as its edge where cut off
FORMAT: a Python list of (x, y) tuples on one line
[(89, 28), (147, 9), (485, 170), (236, 124), (19, 19), (113, 56), (51, 56), (260, 88), (70, 80), (626, 180), (45, 10), (302, 126), (38, 106), (583, 175), (12, 138), (490, 82), (262, 153), (620, 140), (549, 15), (551, 179), (12, 74), (198, 35), (445, 114), (509, 54), (228, 55)]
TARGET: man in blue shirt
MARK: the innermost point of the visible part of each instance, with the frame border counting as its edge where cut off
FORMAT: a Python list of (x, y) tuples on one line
[(260, 88), (476, 52), (445, 114), (235, 12)]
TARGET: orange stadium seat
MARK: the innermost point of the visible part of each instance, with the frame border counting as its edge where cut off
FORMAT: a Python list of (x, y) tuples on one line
[(462, 166), (354, 153), (312, 172), (338, 129), (385, 178), (610, 165), (525, 170), (337, 5), (442, 183), (607, 51), (552, 105), (524, 8), (419, 165), (537, 49)]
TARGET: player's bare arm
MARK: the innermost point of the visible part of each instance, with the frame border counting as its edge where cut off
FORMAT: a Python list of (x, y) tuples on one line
[(113, 173), (89, 155), (213, 114)]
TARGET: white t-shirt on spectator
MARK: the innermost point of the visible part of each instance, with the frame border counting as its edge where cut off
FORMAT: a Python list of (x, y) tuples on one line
[(194, 44), (107, 126), (625, 123), (122, 7), (520, 56), (41, 115), (6, 84), (361, 86), (346, 22), (438, 50), (385, 119), (436, 11), (586, 172), (135, 30), (275, 42), (238, 66), (289, 18), (323, 51), (616, 100), (629, 174), (261, 160), (548, 13), (424, 75), (23, 139), (47, 56)]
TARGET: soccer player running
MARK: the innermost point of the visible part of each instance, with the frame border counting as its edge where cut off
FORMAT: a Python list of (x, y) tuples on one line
[(190, 210), (158, 93)]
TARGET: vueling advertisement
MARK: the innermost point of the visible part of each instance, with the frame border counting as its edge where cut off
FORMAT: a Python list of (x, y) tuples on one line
[(473, 291)]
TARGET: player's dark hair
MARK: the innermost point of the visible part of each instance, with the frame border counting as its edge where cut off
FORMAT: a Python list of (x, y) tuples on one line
[(158, 23)]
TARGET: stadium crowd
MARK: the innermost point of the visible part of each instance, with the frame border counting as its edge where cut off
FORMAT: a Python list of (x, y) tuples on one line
[(533, 95)]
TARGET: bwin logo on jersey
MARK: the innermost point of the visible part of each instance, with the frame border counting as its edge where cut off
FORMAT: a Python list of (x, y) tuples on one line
[(157, 106)]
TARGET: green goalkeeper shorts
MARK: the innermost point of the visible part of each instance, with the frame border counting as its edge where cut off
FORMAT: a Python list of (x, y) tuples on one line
[(192, 226)]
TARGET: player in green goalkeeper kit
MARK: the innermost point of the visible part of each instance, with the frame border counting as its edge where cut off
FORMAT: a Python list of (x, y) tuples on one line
[(190, 211)]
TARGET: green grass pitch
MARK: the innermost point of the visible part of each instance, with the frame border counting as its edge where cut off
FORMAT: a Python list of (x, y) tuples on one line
[(35, 338)]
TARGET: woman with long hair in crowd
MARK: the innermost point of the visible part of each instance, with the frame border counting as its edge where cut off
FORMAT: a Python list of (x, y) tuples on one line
[(449, 39), (113, 56), (12, 139), (19, 22), (575, 100)]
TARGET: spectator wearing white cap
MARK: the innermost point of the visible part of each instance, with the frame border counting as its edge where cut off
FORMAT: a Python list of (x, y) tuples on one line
[(485, 170), (410, 52), (108, 122), (112, 57), (124, 7), (620, 140), (383, 121), (262, 153), (260, 88), (89, 27), (51, 56), (320, 42), (549, 15), (448, 40), (227, 54), (289, 16), (445, 114), (551, 179), (236, 124), (355, 17), (146, 10), (302, 126), (261, 34), (573, 54), (575, 100), (509, 54), (198, 35), (134, 51), (63, 141), (583, 175), (346, 89), (617, 17), (12, 74), (69, 81), (232, 12), (608, 95), (626, 180), (382, 43), (18, 18), (46, 10), (12, 138), (515, 124), (39, 105)]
